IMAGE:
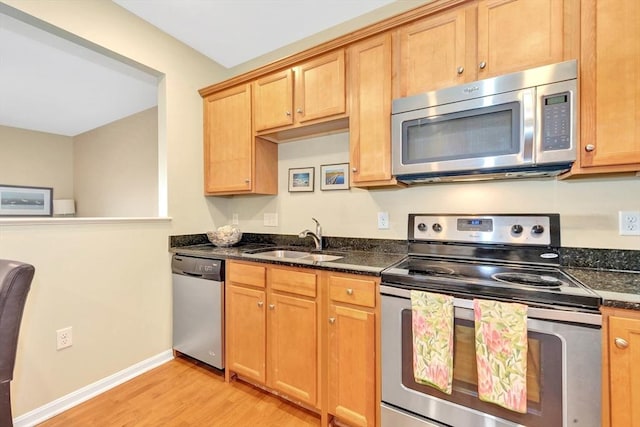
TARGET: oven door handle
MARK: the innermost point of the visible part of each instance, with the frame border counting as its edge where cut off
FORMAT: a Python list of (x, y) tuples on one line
[(551, 314)]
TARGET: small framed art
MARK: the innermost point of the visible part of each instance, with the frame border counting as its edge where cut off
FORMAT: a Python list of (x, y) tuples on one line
[(334, 177), (301, 179), (25, 201)]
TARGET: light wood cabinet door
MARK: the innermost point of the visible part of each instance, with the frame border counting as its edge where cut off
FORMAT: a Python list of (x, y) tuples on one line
[(352, 365), (370, 112), (515, 35), (246, 331), (228, 141), (624, 371), (293, 347), (434, 52), (236, 162), (273, 102), (320, 87), (610, 87), (310, 92)]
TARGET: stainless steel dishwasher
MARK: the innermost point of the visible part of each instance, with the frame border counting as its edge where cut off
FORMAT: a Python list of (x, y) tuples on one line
[(198, 308)]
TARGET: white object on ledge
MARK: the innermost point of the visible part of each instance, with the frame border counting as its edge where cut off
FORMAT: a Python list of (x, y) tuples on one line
[(64, 207)]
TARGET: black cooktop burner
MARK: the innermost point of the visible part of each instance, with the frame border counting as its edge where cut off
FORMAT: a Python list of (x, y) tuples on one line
[(542, 285), (529, 280)]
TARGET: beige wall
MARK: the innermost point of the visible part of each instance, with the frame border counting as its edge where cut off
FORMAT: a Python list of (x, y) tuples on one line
[(116, 168), (111, 281), (37, 159), (588, 207)]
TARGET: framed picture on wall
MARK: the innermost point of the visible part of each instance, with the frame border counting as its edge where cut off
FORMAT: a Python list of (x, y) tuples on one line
[(334, 177), (301, 179), (25, 201)]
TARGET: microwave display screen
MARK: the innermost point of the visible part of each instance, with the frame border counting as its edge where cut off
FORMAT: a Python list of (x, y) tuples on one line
[(551, 100), (479, 133)]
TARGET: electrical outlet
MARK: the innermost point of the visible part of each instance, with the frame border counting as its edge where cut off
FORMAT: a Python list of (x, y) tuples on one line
[(383, 220), (629, 223), (234, 219), (65, 338)]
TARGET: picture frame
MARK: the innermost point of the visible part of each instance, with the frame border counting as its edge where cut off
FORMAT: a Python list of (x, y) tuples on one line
[(334, 176), (301, 179), (18, 200)]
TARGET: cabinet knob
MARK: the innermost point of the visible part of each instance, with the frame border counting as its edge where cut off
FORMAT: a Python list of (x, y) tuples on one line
[(299, 111), (272, 306), (621, 343), (349, 291), (332, 320), (288, 113), (482, 65), (589, 148), (260, 303), (460, 70), (354, 170), (247, 180)]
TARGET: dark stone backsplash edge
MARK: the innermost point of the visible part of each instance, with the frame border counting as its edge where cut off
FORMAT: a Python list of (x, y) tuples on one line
[(597, 259), (600, 259)]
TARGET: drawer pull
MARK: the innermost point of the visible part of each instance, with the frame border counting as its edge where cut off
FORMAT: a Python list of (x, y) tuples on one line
[(260, 303), (332, 320), (621, 343), (349, 291), (272, 306)]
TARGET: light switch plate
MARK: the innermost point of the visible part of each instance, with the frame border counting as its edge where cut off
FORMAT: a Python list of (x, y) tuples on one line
[(270, 219)]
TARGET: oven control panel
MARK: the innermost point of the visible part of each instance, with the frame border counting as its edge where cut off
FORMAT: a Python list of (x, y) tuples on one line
[(491, 229)]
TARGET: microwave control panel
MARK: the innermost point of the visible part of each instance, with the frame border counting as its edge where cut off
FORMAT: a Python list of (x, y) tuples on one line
[(556, 121)]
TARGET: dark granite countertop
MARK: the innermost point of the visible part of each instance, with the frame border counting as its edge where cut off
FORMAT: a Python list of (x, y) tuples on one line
[(620, 289), (608, 277)]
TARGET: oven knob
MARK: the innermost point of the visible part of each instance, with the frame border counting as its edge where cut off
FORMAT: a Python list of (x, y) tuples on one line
[(537, 229), (516, 229), (422, 226), (437, 227)]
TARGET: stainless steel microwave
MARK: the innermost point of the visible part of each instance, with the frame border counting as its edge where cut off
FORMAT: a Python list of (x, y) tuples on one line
[(517, 125)]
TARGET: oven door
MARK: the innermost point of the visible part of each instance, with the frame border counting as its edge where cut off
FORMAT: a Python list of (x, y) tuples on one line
[(563, 371)]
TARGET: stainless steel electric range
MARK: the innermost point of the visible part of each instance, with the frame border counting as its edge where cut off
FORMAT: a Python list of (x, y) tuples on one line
[(500, 257)]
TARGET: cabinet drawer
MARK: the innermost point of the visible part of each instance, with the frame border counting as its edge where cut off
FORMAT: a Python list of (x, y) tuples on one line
[(254, 275), (353, 291), (295, 282)]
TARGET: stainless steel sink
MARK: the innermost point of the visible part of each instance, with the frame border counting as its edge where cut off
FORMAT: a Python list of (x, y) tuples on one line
[(294, 255), (280, 253)]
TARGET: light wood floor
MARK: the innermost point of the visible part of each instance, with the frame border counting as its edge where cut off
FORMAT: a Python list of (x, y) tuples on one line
[(184, 393)]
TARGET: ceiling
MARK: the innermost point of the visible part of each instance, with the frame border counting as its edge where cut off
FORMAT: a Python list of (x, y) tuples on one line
[(53, 85)]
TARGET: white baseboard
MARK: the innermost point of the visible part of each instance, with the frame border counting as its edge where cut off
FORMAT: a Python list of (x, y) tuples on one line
[(72, 399)]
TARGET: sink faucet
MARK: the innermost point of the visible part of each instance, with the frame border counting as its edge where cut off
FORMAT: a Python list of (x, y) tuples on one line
[(317, 236)]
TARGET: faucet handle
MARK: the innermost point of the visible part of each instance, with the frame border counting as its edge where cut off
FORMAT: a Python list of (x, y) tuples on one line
[(316, 221)]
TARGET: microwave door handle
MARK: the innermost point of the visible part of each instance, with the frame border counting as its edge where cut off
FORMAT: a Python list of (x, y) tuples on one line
[(528, 123)]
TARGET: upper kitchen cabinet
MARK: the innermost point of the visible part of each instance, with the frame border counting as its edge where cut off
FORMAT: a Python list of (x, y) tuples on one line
[(483, 39), (370, 111), (609, 87), (230, 149), (311, 92)]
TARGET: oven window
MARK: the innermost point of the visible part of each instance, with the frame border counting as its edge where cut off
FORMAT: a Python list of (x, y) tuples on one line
[(484, 132), (544, 375)]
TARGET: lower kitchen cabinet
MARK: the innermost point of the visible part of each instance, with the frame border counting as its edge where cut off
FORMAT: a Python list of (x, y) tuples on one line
[(245, 321), (292, 343), (271, 333), (352, 350), (621, 368), (308, 335)]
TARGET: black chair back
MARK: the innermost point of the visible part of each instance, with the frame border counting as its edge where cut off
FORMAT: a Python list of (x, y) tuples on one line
[(15, 282)]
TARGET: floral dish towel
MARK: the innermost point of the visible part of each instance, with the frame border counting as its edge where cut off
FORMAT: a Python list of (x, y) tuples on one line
[(501, 353), (432, 327)]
